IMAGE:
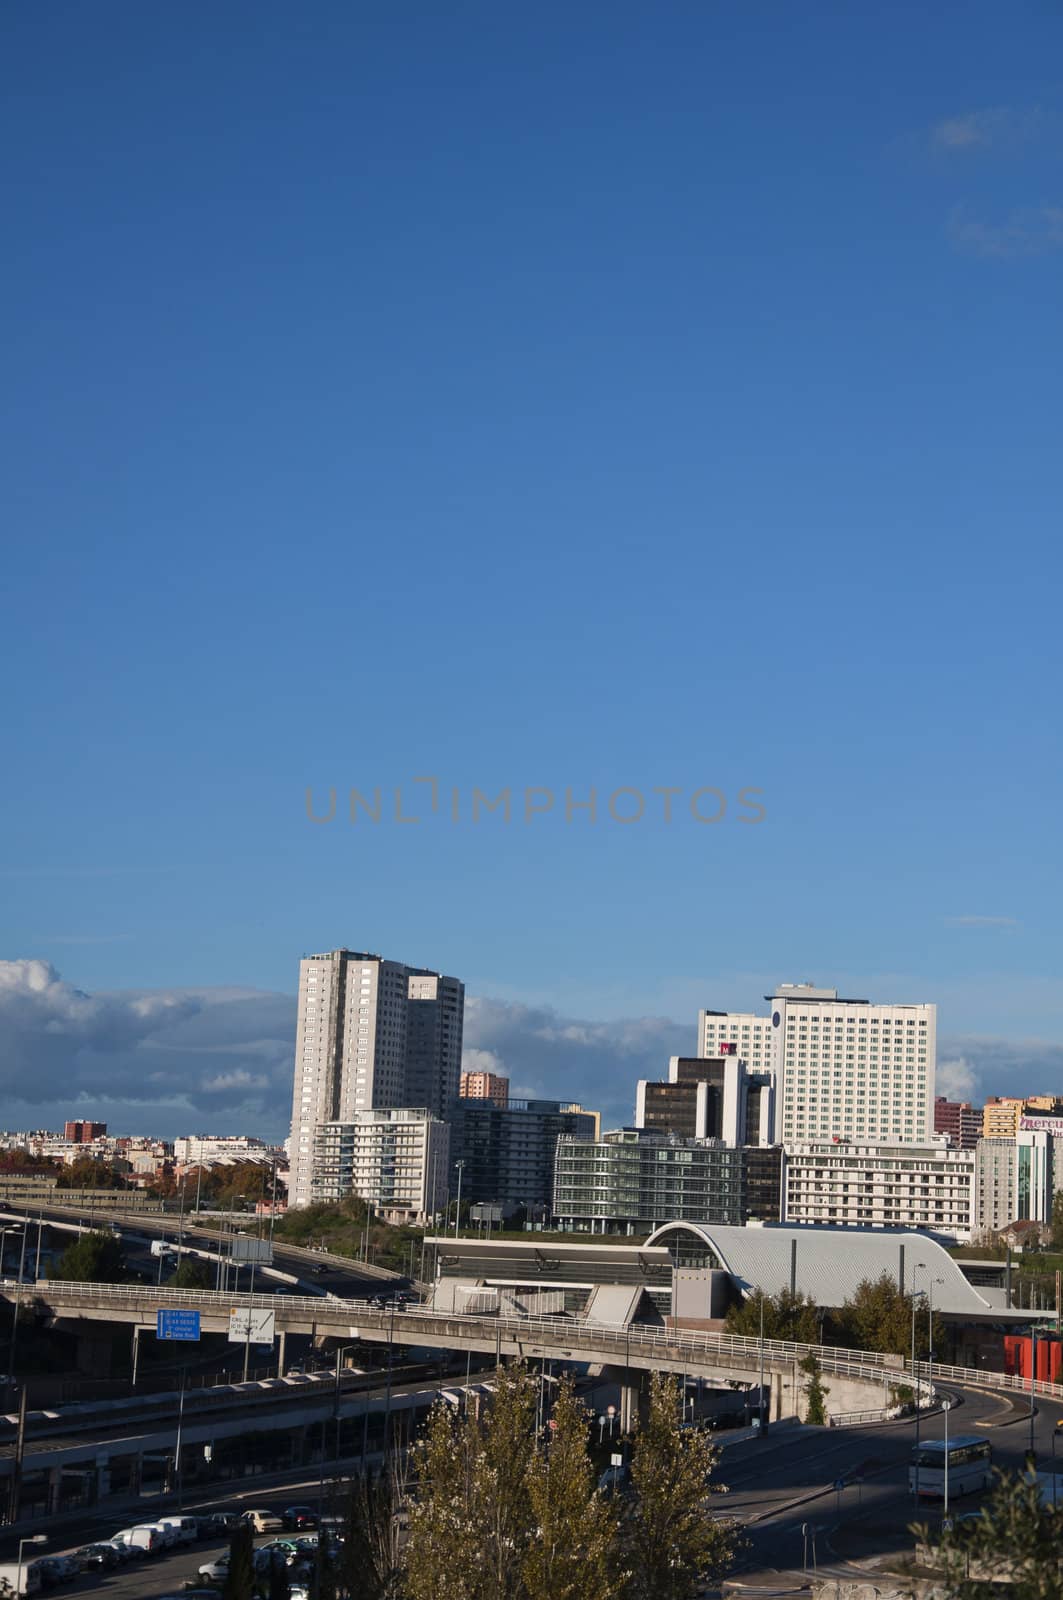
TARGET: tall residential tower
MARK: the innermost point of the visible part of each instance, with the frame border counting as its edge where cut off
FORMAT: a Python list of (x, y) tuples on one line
[(370, 1034)]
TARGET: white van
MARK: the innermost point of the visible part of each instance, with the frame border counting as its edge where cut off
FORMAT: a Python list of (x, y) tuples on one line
[(185, 1528), (163, 1247), (145, 1536)]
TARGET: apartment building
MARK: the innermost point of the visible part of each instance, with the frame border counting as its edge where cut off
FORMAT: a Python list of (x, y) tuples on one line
[(632, 1180), (507, 1154), (485, 1086), (995, 1186), (204, 1149), (396, 1159), (370, 1034), (1003, 1114), (847, 1183), (960, 1120)]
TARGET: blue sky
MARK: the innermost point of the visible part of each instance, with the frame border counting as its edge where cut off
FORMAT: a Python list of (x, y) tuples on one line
[(601, 396)]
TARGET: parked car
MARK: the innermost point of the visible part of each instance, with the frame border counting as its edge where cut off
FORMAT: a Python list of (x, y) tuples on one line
[(216, 1570), (126, 1552), (264, 1520), (217, 1524), (296, 1518), (97, 1557), (55, 1570)]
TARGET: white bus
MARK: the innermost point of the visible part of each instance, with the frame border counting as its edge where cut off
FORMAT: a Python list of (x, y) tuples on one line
[(970, 1466)]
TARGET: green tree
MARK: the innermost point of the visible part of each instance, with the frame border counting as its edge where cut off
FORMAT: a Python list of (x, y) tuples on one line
[(786, 1316), (814, 1391), (95, 1257), (675, 1546), (90, 1172), (878, 1316), (1012, 1547), (470, 1523), (192, 1273), (240, 1578), (1057, 1220), (573, 1554)]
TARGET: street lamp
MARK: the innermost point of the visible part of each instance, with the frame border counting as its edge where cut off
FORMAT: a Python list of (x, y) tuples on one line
[(916, 1294), (459, 1168), (34, 1538), (946, 1407)]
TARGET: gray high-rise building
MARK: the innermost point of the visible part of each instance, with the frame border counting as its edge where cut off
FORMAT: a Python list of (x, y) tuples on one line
[(370, 1034)]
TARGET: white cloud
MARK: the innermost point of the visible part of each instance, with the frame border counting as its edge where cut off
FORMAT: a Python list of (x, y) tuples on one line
[(237, 1079), (956, 1079), (482, 1061)]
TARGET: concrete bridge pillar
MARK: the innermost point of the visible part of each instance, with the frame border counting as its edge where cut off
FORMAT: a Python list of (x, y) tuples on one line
[(629, 1406), (282, 1346), (55, 1489)]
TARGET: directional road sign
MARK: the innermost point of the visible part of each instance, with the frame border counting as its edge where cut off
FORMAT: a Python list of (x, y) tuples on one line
[(251, 1326), (177, 1325)]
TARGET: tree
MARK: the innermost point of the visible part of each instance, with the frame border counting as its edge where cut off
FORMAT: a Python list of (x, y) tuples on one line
[(879, 1317), (369, 1558), (192, 1273), (1013, 1546), (279, 1586), (240, 1578), (786, 1316), (470, 1524), (573, 1554), (90, 1172), (675, 1546), (814, 1391), (1057, 1220), (95, 1257)]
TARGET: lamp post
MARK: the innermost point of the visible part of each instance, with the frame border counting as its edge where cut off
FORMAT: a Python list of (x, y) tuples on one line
[(930, 1337), (760, 1394), (34, 1538), (459, 1167), (946, 1406)]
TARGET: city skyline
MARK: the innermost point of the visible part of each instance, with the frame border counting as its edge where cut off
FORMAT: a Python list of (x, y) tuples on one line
[(230, 1053)]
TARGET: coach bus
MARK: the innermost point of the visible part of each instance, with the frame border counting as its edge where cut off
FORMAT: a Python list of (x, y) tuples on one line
[(969, 1467)]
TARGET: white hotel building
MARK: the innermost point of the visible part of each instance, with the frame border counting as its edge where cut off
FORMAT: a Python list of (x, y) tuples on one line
[(842, 1067)]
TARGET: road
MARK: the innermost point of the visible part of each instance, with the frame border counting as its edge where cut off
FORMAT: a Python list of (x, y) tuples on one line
[(867, 1522)]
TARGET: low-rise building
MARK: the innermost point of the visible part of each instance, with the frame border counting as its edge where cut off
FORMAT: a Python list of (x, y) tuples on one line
[(203, 1149), (845, 1183), (634, 1179)]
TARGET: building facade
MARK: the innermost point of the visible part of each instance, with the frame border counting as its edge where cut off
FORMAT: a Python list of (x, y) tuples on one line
[(395, 1159), (204, 1149), (633, 1180), (84, 1132), (995, 1186), (485, 1086), (845, 1183), (960, 1120), (507, 1155), (843, 1067), (370, 1034), (708, 1098)]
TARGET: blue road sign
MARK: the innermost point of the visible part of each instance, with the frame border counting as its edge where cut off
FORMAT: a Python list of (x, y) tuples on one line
[(177, 1325)]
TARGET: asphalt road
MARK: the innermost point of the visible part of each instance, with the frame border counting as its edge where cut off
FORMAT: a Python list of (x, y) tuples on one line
[(785, 1481)]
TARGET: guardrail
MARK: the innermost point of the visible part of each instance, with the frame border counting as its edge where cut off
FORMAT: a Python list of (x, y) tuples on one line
[(638, 1339)]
